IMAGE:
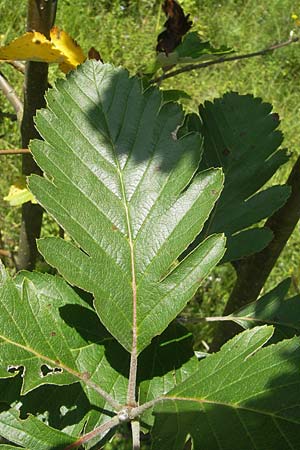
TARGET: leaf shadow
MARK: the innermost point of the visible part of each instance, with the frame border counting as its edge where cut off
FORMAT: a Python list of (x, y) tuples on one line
[(167, 352), (136, 124), (88, 325)]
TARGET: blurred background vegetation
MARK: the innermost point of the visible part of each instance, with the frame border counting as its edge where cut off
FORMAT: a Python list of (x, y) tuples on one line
[(125, 33)]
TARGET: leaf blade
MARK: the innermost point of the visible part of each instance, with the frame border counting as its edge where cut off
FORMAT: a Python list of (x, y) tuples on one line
[(125, 191), (236, 396)]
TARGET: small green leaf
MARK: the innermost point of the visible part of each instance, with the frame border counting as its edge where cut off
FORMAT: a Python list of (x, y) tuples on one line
[(243, 397), (273, 308), (123, 187), (191, 50), (247, 242)]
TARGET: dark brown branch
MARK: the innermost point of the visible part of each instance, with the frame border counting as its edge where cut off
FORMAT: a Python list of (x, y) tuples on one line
[(40, 17), (253, 272), (11, 96), (224, 59), (18, 151)]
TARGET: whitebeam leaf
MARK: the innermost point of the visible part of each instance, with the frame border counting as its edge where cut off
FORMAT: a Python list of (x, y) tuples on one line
[(243, 397), (124, 188)]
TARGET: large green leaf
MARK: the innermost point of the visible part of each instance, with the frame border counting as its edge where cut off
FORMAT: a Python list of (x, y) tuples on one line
[(38, 331), (123, 187), (241, 136), (244, 397), (53, 337)]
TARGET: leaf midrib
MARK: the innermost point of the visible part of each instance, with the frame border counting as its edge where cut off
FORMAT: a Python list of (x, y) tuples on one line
[(133, 358)]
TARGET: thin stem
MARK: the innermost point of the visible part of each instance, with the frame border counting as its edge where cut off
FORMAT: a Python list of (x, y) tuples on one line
[(18, 151), (223, 59), (40, 17), (183, 319), (99, 430), (139, 410), (108, 398), (131, 400), (135, 430), (233, 318), (18, 65), (11, 96)]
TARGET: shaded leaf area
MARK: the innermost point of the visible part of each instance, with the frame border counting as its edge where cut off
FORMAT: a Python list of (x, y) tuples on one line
[(168, 361), (241, 136), (54, 407), (243, 397), (64, 408), (192, 49), (124, 188), (273, 308), (174, 95)]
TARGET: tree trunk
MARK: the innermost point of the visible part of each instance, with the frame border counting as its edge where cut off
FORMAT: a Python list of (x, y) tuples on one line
[(40, 17)]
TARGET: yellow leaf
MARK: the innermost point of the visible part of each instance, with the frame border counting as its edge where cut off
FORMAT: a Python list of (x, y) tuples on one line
[(19, 194), (73, 54), (32, 46)]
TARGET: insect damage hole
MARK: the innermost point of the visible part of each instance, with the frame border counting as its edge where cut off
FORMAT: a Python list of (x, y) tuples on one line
[(48, 370)]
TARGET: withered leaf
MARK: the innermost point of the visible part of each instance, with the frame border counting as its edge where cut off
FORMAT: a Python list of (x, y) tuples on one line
[(176, 26), (94, 54)]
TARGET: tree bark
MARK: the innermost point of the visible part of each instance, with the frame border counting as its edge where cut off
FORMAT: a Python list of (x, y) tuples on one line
[(253, 272), (40, 17)]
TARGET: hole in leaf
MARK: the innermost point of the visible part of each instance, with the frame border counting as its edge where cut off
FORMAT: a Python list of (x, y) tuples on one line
[(14, 369), (46, 370)]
